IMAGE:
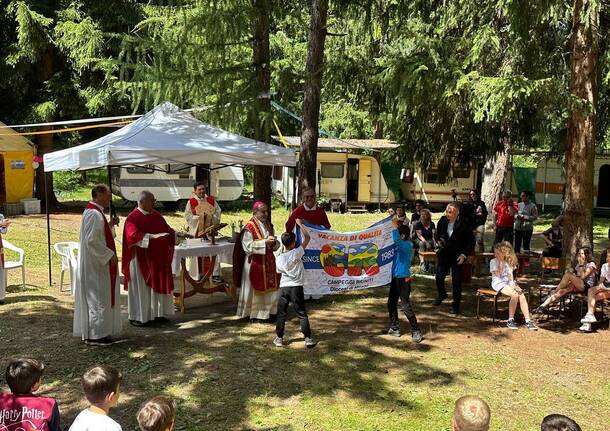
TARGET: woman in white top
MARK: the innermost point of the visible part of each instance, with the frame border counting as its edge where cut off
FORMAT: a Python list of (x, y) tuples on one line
[(502, 281), (599, 292), (580, 280)]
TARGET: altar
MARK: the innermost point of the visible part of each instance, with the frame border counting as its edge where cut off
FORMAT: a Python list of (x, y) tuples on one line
[(221, 250)]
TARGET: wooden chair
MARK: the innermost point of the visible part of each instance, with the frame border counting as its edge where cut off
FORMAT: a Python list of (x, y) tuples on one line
[(548, 264)]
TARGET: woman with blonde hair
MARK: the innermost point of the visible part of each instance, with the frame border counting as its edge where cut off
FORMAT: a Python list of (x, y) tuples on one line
[(579, 280), (502, 281)]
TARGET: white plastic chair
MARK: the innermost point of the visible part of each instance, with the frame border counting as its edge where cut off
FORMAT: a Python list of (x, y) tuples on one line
[(14, 264), (68, 251)]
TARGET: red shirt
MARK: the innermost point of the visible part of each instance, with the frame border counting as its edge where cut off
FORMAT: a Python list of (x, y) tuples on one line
[(315, 216), (503, 216), (28, 412)]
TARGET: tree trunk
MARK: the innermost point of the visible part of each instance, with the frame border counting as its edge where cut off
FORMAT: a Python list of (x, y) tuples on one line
[(44, 143), (311, 101), (494, 173), (580, 148), (262, 115)]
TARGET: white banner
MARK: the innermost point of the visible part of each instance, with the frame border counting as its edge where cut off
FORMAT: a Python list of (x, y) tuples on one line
[(336, 261)]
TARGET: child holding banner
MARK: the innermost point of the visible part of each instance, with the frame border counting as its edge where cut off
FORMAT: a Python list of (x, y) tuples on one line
[(400, 286), (290, 265)]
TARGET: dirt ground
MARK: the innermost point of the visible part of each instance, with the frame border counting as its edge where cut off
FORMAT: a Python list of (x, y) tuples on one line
[(225, 374)]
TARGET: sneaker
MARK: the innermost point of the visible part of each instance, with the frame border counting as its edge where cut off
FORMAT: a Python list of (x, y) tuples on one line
[(278, 342), (511, 324), (439, 300), (310, 342), (585, 327), (530, 325), (416, 336), (394, 332), (589, 318), (541, 310)]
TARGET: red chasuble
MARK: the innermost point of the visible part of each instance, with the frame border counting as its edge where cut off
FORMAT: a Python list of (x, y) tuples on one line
[(113, 268), (155, 262), (195, 202), (316, 217), (263, 276)]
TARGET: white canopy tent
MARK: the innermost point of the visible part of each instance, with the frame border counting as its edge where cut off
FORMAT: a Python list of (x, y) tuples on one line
[(167, 134), (164, 135)]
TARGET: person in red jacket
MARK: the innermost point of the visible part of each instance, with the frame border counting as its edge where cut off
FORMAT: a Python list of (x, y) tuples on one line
[(308, 211), (504, 218)]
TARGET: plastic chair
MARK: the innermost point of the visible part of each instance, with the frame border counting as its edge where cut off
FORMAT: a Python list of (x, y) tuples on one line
[(14, 264), (68, 252)]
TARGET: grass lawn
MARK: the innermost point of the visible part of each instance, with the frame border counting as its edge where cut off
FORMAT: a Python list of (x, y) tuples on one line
[(225, 374)]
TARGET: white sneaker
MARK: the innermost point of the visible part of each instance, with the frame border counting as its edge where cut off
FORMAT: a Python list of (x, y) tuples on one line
[(310, 342), (278, 342), (585, 327), (589, 318)]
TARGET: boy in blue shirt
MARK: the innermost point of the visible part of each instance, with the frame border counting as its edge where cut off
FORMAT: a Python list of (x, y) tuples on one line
[(401, 284)]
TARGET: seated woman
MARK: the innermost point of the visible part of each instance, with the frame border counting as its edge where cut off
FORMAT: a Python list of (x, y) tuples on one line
[(400, 215), (502, 281), (598, 293), (424, 233), (580, 280), (553, 237)]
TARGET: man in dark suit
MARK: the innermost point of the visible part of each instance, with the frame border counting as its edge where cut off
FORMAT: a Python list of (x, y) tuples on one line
[(456, 242)]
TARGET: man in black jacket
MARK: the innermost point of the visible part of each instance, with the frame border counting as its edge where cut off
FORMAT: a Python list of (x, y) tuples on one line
[(456, 242)]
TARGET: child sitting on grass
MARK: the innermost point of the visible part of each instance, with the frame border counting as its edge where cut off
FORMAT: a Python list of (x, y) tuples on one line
[(400, 287), (290, 265), (157, 414), (101, 387), (502, 281), (21, 409)]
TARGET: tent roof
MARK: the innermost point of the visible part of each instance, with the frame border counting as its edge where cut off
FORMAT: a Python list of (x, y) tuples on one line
[(168, 135), (348, 144), (12, 141)]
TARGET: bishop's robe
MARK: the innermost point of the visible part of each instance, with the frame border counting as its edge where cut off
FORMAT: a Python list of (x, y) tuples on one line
[(97, 299), (147, 265), (196, 265), (254, 271)]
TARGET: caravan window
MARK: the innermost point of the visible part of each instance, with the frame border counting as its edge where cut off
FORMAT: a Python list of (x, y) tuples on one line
[(148, 169), (461, 171), (278, 172), (179, 168), (332, 170), (431, 176)]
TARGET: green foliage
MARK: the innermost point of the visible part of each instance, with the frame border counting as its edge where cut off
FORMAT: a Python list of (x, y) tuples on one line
[(66, 181)]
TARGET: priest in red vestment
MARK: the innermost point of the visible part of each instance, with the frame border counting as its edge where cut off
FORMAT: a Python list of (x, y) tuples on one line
[(308, 211), (254, 267), (198, 221), (148, 249)]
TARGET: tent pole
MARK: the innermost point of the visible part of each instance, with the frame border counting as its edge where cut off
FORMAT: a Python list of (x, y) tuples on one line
[(46, 206), (112, 208)]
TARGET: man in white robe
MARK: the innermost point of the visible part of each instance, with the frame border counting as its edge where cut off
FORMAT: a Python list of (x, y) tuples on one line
[(258, 280), (197, 221), (148, 247), (3, 229), (97, 299)]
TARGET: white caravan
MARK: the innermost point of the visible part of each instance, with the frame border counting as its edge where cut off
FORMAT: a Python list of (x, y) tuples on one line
[(174, 183)]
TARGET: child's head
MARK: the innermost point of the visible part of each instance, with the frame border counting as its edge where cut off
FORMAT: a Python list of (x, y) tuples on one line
[(504, 250), (157, 414), (404, 232), (288, 240), (585, 254), (101, 385), (471, 414), (558, 423), (23, 375), (399, 211)]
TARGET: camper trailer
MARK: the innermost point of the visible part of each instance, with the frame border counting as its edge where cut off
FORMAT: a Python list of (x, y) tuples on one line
[(174, 183), (428, 186), (547, 180), (345, 179)]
